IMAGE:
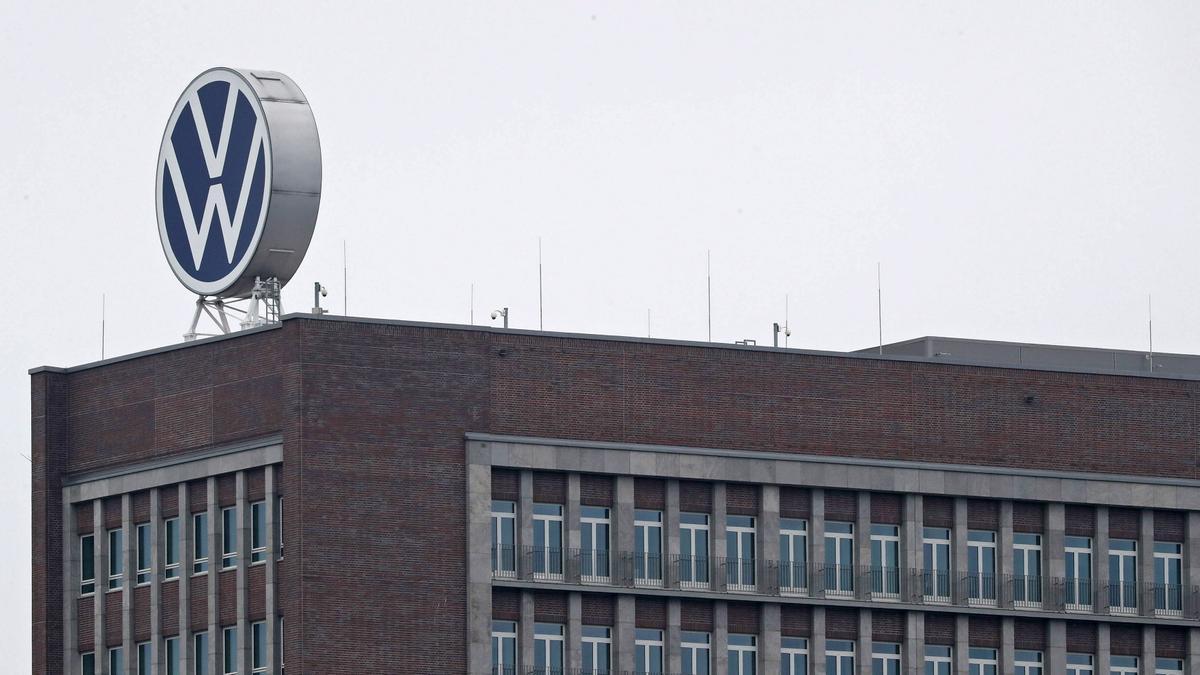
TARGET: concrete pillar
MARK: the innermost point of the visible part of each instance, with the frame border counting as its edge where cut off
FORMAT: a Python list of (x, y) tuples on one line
[(573, 539), (156, 543), (1004, 556), (1054, 555), (1149, 650), (574, 646), (183, 580), (100, 600), (720, 637), (718, 574), (769, 640), (865, 630), (1103, 648), (913, 650), (674, 655), (671, 537), (768, 543), (1100, 561), (912, 533), (1056, 646), (524, 524), (962, 638), (242, 572), (862, 553), (71, 575), (623, 531), (525, 630), (623, 638), (1146, 562), (128, 579), (271, 570), (1193, 648), (816, 545), (215, 638), (816, 643), (1191, 564), (958, 561), (1007, 644)]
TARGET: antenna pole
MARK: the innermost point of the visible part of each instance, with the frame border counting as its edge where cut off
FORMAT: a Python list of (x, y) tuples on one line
[(787, 326), (1150, 321), (103, 312), (647, 322), (345, 287), (472, 311), (710, 295), (540, 284), (879, 301)]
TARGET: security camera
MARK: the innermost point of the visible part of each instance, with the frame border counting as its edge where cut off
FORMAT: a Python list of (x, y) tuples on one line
[(324, 293), (495, 314), (788, 332)]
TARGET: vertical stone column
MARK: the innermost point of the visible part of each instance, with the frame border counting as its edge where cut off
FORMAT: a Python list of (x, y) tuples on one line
[(128, 578), (1146, 562), (672, 651), (671, 537), (1100, 562), (572, 538), (1007, 644), (770, 641), (70, 589), (623, 640), (574, 646), (962, 638), (100, 599), (913, 650), (1149, 650), (183, 581), (718, 574), (816, 545), (156, 543), (525, 525), (767, 575), (912, 534), (242, 572), (1004, 556), (525, 631), (271, 571), (1054, 556), (958, 562), (862, 553), (1056, 646), (816, 644), (1103, 648), (623, 531), (1191, 563), (1193, 647), (865, 633), (216, 646), (720, 637)]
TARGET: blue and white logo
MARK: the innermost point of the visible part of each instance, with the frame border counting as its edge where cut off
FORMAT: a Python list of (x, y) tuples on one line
[(214, 181)]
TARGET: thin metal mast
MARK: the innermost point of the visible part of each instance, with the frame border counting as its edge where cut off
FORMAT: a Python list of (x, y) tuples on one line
[(1150, 322), (787, 327), (345, 287), (710, 295), (879, 301), (103, 312), (540, 327), (472, 303)]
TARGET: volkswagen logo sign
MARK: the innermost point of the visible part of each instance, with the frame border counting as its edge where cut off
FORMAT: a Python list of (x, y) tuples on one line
[(239, 181)]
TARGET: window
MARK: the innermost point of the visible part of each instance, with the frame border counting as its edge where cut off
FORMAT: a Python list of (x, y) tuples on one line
[(1027, 662), (143, 659), (171, 548), (885, 658), (1122, 576), (1080, 664), (793, 554), (1168, 667), (648, 652), (504, 538), (279, 642), (982, 661), (143, 554), (199, 543), (258, 532), (935, 547), (1168, 575), (885, 562), (116, 560), (229, 650), (693, 550), (1123, 665), (87, 663), (739, 548), (795, 656), (171, 654), (839, 657), (597, 650), (1027, 570), (548, 648), (87, 567), (647, 539), (200, 654), (695, 650), (939, 660), (548, 541), (279, 526), (1078, 591), (981, 567), (258, 647), (839, 558), (595, 524), (229, 538), (504, 648), (743, 654), (116, 660)]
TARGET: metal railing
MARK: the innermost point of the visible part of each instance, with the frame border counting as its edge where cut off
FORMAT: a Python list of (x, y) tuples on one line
[(836, 582)]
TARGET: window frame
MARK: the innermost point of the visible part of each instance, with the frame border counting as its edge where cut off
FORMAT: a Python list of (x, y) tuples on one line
[(171, 569), (547, 636), (595, 561), (740, 572), (645, 642), (259, 649), (943, 655), (503, 523), (145, 658), (229, 647), (981, 585), (87, 584), (885, 579), (1123, 592), (695, 647), (886, 654), (936, 582), (743, 650), (793, 650), (172, 662), (793, 574), (84, 658), (840, 650), (1028, 662), (116, 660), (1168, 666), (143, 547), (200, 543), (1074, 563), (200, 653), (839, 573), (504, 633), (1027, 588), (694, 570), (258, 532), (1124, 665), (1079, 663), (1168, 597), (229, 541), (980, 659), (647, 564), (116, 539), (550, 559), (591, 642)]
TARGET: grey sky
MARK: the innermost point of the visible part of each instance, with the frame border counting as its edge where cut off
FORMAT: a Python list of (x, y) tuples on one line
[(1023, 171)]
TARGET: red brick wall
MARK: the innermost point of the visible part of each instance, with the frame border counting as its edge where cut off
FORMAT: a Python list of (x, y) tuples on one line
[(841, 623), (841, 505), (741, 499), (743, 618), (887, 508), (651, 612), (595, 490), (887, 625), (1170, 642), (939, 628), (650, 493), (1169, 526), (550, 606), (985, 631), (1029, 634), (1028, 517), (1125, 639), (597, 609), (506, 484), (795, 620), (938, 511), (1080, 520), (695, 615), (695, 496), (795, 502), (1081, 637)]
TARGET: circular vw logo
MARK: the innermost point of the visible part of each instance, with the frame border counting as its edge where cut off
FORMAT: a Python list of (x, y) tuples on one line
[(214, 169)]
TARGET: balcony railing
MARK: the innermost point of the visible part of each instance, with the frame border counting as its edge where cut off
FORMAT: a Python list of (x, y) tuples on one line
[(716, 574)]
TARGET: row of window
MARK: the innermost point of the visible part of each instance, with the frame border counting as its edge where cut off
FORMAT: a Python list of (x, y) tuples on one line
[(693, 562), (173, 654), (696, 655), (172, 536)]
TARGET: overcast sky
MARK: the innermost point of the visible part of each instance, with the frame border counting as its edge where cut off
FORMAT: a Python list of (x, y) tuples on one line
[(1022, 172)]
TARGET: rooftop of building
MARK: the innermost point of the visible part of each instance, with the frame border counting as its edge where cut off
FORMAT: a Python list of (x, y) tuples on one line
[(943, 350)]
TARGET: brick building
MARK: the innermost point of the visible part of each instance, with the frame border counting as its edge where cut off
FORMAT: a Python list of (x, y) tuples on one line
[(354, 496)]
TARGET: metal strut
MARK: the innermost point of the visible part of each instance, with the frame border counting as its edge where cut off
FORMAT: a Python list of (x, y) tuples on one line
[(262, 307)]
